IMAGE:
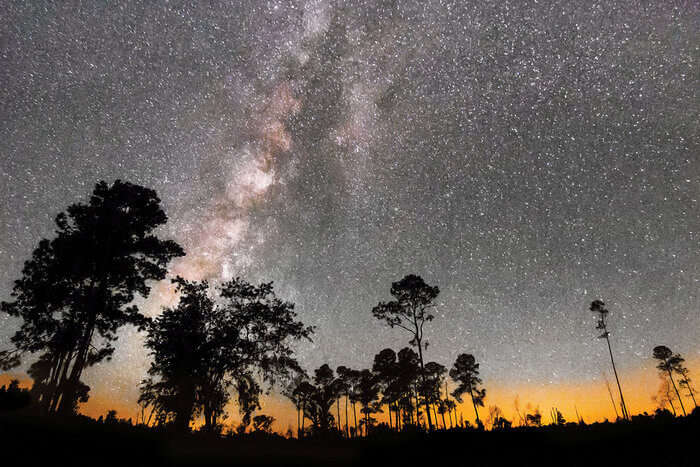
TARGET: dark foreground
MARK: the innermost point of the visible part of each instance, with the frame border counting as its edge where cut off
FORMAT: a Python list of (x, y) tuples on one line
[(26, 440)]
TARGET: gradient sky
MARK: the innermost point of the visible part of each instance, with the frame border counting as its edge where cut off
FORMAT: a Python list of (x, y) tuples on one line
[(526, 157)]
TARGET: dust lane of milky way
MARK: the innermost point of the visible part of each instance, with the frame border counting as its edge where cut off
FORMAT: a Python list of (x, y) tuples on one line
[(527, 157)]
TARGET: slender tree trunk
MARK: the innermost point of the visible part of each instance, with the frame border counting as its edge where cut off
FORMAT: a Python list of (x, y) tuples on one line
[(337, 406), (612, 399), (471, 393), (148, 422), (71, 386), (422, 372), (347, 429), (354, 416), (625, 414), (52, 403), (692, 396), (680, 401), (184, 409), (50, 391), (417, 409), (398, 416)]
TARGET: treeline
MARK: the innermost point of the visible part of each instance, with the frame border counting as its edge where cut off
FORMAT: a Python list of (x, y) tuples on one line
[(232, 340)]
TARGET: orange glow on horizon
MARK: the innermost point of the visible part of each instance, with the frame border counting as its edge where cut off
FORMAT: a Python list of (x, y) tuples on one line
[(591, 400)]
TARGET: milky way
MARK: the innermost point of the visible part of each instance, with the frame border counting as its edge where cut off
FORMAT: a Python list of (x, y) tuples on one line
[(526, 157)]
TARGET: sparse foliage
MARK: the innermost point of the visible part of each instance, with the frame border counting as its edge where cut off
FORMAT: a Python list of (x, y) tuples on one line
[(410, 310), (669, 363), (597, 306)]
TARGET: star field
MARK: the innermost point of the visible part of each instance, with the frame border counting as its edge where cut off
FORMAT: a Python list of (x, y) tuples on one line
[(526, 157)]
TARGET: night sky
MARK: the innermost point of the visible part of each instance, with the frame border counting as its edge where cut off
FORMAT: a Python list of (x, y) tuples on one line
[(526, 157)]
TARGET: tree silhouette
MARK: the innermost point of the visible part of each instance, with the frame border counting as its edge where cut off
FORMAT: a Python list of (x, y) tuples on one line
[(669, 363), (465, 372), (664, 395), (407, 384), (432, 385), (263, 423), (347, 386), (317, 399), (534, 419), (410, 311), (686, 382), (202, 350), (368, 387), (181, 342), (557, 417), (78, 289), (295, 392), (386, 368), (12, 397), (300, 392), (597, 306)]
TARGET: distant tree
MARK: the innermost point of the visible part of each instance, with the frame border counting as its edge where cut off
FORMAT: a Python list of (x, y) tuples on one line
[(111, 417), (597, 306), (79, 288), (263, 423), (500, 424), (203, 349), (494, 414), (669, 363), (534, 419), (465, 372), (664, 396), (410, 311), (686, 382), (557, 417)]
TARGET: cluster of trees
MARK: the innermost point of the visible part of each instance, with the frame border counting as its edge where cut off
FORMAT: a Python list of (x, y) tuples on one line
[(395, 382), (414, 392), (215, 342), (233, 340), (669, 363)]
